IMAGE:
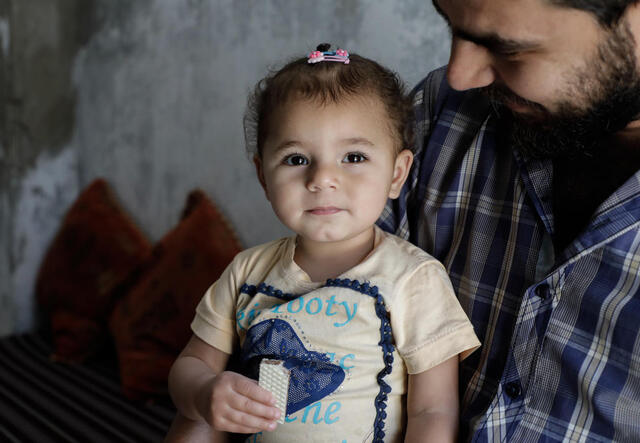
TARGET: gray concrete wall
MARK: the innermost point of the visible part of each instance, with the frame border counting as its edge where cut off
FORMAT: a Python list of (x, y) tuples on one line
[(150, 94), (39, 41)]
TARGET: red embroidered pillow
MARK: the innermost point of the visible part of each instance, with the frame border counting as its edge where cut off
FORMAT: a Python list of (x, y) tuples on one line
[(151, 324), (91, 257)]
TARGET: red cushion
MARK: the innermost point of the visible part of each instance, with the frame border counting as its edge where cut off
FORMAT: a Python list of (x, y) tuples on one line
[(151, 323), (91, 257)]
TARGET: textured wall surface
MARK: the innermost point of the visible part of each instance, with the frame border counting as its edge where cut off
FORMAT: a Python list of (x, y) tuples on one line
[(39, 41), (150, 95)]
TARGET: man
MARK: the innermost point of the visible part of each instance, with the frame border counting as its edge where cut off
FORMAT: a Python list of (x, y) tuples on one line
[(526, 185)]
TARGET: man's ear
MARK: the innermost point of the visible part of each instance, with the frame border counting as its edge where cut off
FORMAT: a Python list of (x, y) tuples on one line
[(257, 161), (401, 169)]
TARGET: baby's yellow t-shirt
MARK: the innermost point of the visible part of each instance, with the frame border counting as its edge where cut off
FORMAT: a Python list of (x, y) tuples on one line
[(349, 342)]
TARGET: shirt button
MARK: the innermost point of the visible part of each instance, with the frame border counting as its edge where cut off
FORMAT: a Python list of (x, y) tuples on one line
[(513, 389), (542, 291)]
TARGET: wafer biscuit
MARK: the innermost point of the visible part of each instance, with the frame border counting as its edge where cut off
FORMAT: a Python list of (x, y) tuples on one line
[(274, 377)]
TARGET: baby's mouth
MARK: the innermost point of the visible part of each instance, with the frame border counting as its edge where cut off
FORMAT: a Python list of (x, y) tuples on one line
[(324, 210)]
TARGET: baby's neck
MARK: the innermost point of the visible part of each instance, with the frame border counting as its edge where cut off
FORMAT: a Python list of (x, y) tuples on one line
[(323, 260)]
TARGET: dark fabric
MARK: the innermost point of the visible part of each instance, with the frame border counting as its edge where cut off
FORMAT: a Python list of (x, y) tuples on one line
[(43, 401), (91, 258), (150, 324)]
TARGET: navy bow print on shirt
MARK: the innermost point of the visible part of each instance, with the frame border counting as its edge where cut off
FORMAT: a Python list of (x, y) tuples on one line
[(313, 376)]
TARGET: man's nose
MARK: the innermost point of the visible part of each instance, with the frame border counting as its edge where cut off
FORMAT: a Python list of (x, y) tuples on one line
[(322, 176), (470, 65)]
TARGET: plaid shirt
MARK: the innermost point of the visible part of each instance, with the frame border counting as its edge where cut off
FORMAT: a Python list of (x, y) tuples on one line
[(560, 359)]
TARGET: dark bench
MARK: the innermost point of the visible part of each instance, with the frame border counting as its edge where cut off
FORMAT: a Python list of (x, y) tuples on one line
[(45, 401)]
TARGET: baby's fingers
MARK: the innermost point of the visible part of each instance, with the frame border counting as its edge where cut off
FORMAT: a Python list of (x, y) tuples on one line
[(254, 408), (239, 404), (249, 388), (246, 423)]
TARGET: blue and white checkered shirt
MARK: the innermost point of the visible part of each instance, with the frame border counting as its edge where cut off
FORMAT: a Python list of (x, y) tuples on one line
[(560, 359)]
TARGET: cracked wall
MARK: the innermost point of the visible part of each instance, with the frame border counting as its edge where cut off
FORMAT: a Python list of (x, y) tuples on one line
[(39, 40)]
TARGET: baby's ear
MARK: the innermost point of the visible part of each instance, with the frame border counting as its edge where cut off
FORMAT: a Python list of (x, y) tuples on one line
[(403, 162), (257, 161)]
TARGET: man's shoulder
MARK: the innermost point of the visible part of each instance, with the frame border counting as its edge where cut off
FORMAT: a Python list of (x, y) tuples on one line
[(432, 82), (445, 115), (425, 93), (432, 96)]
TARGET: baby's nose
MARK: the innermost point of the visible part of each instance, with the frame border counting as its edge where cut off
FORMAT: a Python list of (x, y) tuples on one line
[(322, 176)]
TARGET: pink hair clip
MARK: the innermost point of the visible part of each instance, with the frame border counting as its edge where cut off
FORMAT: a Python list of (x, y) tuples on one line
[(339, 55)]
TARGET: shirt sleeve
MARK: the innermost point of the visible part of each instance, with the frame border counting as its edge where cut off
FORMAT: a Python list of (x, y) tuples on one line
[(429, 325), (214, 322)]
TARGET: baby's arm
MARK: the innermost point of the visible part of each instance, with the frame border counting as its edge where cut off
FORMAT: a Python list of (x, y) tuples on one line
[(432, 404), (202, 390)]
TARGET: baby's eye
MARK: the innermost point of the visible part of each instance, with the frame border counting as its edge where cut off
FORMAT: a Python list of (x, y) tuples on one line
[(295, 160), (354, 157)]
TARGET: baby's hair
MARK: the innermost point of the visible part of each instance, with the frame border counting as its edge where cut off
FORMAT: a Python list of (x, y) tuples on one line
[(328, 82)]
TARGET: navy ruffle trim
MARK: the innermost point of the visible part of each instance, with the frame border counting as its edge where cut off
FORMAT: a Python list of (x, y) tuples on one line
[(385, 343)]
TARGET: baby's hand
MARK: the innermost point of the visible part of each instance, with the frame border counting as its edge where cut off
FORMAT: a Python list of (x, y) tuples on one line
[(235, 403)]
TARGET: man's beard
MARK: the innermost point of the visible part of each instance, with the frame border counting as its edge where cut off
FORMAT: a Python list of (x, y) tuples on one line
[(611, 81)]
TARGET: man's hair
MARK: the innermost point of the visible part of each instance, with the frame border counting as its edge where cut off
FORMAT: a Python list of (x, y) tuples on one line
[(608, 12), (328, 83)]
